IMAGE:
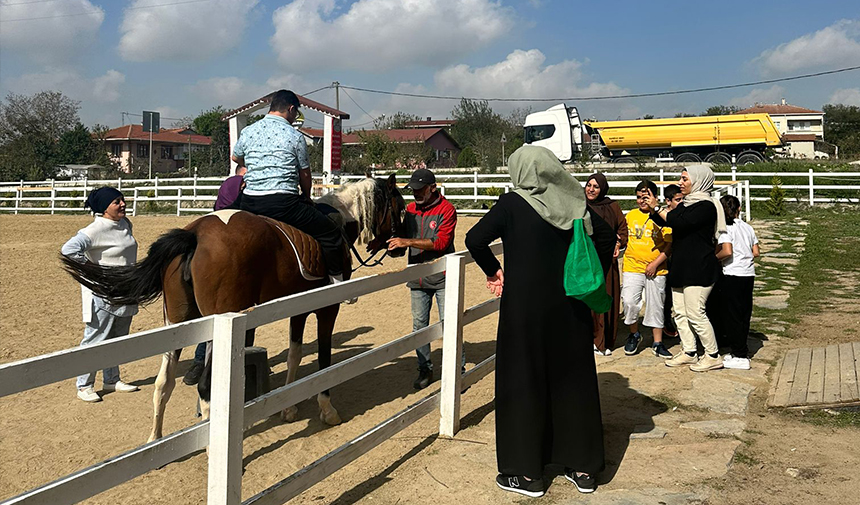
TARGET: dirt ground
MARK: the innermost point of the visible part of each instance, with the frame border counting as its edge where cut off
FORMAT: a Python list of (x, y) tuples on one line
[(47, 433)]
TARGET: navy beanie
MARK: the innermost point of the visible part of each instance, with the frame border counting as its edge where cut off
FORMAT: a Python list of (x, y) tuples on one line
[(100, 199)]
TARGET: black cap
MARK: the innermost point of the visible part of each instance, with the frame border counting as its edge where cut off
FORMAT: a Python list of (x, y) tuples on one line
[(420, 178)]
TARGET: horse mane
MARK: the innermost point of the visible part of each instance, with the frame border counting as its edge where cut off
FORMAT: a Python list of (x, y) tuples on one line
[(360, 200)]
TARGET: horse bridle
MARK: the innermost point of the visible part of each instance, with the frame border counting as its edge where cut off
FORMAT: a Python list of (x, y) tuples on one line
[(377, 262)]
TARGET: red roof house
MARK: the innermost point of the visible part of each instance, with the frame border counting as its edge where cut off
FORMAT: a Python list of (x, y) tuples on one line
[(170, 147)]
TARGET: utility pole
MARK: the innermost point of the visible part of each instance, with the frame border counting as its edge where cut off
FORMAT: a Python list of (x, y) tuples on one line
[(336, 94)]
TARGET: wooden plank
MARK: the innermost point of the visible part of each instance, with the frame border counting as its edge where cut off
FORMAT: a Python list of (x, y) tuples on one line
[(478, 372), (815, 392), (797, 396), (452, 346), (225, 422), (49, 368), (772, 391), (90, 481), (343, 455), (848, 376), (481, 310), (785, 379), (832, 389)]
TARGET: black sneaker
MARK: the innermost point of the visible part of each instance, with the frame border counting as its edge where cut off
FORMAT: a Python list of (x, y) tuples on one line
[(192, 376), (425, 377), (519, 484), (660, 351), (632, 344), (583, 483)]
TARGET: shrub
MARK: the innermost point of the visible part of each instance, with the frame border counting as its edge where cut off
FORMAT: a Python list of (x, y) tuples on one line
[(776, 204)]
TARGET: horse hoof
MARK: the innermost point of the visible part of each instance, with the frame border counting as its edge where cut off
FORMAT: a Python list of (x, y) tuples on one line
[(332, 419), (290, 414)]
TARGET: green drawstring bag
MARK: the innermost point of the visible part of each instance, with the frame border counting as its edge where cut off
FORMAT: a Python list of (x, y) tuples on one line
[(583, 274)]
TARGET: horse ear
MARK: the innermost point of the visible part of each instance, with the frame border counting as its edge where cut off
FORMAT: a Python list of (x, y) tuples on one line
[(392, 182), (368, 175)]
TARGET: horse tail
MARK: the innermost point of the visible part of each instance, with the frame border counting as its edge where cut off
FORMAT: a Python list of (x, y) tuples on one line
[(140, 283)]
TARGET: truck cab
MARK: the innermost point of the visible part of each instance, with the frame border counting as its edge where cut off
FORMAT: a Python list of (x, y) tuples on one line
[(558, 128)]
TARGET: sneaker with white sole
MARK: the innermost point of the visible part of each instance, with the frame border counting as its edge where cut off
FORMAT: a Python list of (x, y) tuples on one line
[(584, 483), (120, 387), (682, 359), (88, 394), (660, 351), (519, 484), (736, 363), (707, 363), (632, 344)]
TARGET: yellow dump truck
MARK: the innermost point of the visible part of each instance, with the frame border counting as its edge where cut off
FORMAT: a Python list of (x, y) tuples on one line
[(712, 139)]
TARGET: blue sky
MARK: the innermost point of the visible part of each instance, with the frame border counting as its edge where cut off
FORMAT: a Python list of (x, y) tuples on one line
[(184, 56)]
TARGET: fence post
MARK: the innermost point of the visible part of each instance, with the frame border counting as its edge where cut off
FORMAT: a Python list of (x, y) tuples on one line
[(452, 345), (85, 187), (195, 186), (134, 203), (53, 197), (734, 166), (476, 186), (811, 188), (156, 186), (662, 186), (18, 193), (747, 199), (226, 414), (178, 201)]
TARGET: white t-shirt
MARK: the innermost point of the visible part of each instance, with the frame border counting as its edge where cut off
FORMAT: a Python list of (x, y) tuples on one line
[(742, 237)]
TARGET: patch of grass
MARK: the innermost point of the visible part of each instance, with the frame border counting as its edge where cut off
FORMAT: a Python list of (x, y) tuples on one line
[(836, 419), (745, 459), (670, 403)]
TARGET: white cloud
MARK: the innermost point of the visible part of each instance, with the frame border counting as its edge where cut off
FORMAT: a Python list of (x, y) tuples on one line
[(49, 32), (522, 74), (772, 94), (835, 46), (105, 88), (187, 31), (384, 34), (849, 96)]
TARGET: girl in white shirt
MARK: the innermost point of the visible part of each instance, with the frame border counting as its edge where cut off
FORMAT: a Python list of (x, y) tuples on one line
[(108, 240), (737, 249)]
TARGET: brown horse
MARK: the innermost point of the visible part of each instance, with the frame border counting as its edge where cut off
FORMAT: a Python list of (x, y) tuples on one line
[(229, 261)]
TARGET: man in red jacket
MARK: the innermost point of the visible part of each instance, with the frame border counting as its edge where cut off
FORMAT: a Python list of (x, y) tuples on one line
[(430, 223)]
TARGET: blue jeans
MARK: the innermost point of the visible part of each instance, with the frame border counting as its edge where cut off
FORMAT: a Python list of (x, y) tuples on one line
[(104, 326), (422, 301), (200, 353)]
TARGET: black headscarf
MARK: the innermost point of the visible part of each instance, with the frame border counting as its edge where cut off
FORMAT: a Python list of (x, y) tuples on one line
[(100, 199)]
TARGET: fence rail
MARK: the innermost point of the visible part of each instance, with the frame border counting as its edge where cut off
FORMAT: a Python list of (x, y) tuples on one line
[(230, 416)]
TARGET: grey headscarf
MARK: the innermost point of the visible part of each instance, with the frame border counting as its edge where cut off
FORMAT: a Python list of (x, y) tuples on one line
[(702, 179), (541, 180)]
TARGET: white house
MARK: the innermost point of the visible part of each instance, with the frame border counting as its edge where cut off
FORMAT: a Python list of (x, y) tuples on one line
[(802, 129)]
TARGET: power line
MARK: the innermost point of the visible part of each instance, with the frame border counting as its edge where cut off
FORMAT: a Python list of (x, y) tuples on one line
[(318, 89), (96, 11), (610, 97), (356, 104)]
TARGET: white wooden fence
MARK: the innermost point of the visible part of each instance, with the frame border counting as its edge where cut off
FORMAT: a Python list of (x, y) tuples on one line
[(197, 195), (230, 416)]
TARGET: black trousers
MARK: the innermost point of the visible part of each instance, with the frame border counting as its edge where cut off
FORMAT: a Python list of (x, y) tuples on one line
[(732, 308), (300, 213)]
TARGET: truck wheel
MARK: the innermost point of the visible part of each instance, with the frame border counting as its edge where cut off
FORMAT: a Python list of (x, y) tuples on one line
[(749, 157), (688, 158), (718, 158)]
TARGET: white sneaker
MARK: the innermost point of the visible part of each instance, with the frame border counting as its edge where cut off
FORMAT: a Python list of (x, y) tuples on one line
[(89, 394), (727, 357), (120, 387), (737, 363), (607, 352)]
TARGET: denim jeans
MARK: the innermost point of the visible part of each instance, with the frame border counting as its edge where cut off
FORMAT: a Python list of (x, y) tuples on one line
[(104, 326), (200, 353), (422, 301)]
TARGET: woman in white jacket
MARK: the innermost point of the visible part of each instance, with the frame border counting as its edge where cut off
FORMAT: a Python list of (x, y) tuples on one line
[(108, 240)]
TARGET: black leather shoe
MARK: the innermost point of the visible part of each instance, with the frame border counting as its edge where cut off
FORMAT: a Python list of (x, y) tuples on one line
[(425, 377), (192, 376)]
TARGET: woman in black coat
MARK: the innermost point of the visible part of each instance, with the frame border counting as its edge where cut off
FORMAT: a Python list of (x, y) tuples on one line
[(696, 224), (547, 402)]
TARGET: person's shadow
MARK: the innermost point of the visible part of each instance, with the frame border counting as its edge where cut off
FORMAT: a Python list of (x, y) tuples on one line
[(624, 411)]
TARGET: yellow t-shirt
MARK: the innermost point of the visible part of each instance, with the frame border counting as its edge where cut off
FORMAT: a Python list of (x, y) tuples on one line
[(645, 241)]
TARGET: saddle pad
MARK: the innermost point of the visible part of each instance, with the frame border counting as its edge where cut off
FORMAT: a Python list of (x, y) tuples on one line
[(307, 249)]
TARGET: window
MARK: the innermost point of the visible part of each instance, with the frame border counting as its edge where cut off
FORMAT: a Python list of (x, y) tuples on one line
[(167, 152), (540, 132), (798, 126), (142, 151), (116, 150)]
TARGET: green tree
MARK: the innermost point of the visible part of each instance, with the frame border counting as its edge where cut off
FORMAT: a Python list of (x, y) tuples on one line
[(76, 146), (775, 205), (684, 114), (720, 110), (842, 127), (30, 131), (480, 129), (467, 158), (394, 121), (378, 149)]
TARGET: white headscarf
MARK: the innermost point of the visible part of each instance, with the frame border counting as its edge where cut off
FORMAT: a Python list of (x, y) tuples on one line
[(702, 179)]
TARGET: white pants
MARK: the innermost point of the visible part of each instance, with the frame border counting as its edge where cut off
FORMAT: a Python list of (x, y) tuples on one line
[(692, 320), (633, 287)]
